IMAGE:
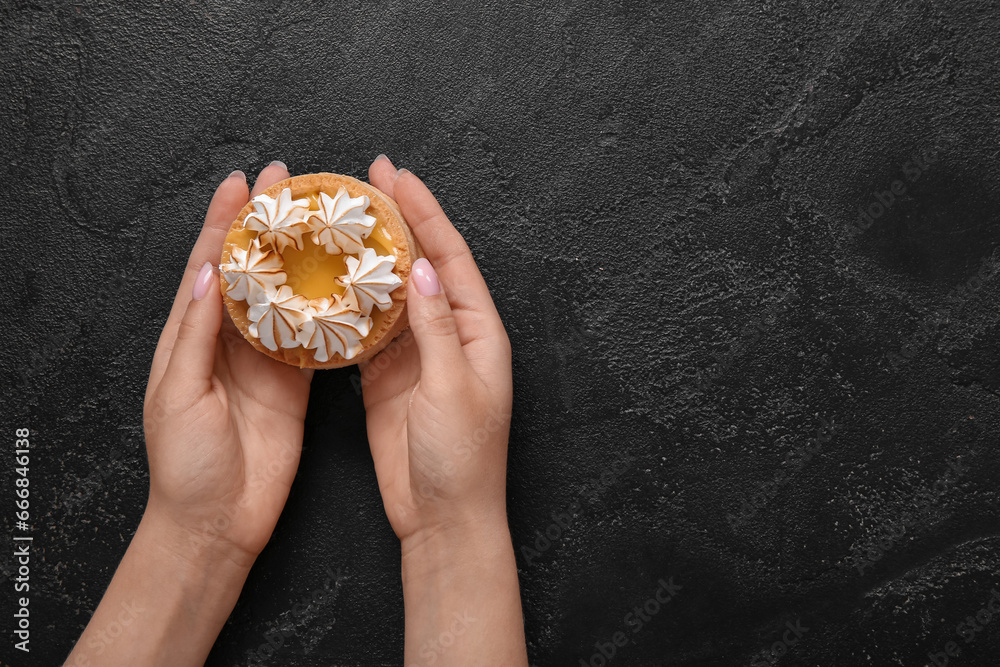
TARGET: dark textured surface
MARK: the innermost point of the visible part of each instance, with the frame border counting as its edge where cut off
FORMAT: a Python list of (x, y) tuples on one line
[(660, 197)]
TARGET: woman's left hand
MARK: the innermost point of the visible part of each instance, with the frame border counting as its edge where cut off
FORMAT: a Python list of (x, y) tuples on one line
[(223, 422), (223, 429)]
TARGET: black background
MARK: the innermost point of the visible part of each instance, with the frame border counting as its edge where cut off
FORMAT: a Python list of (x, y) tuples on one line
[(660, 197)]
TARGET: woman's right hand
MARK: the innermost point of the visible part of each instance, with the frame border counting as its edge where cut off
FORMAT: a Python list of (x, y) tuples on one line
[(438, 399), (438, 402)]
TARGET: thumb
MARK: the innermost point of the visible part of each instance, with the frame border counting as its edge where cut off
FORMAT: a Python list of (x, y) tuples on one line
[(432, 322), (192, 360)]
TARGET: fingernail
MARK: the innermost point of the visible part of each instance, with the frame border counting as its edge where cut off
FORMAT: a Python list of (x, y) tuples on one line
[(202, 282), (424, 278), (381, 156), (400, 172), (278, 163), (238, 174)]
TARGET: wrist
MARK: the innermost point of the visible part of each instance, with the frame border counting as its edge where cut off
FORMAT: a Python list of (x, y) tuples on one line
[(444, 552), (461, 597), (189, 549), (206, 576), (168, 599)]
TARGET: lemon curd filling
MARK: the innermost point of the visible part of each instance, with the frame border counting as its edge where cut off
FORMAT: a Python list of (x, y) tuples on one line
[(313, 273)]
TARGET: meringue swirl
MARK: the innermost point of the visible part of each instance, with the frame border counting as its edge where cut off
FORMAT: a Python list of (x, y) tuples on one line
[(341, 222), (252, 273), (333, 328), (277, 319), (369, 280), (279, 221)]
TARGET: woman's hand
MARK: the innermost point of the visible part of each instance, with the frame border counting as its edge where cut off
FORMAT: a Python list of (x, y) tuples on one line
[(223, 434), (223, 421), (438, 402)]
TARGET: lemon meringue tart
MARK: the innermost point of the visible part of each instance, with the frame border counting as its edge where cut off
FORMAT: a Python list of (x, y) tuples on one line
[(314, 268)]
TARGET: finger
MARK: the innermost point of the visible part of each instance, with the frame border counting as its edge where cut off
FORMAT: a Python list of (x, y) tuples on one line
[(269, 175), (189, 371), (382, 173), (433, 324), (229, 198), (450, 256)]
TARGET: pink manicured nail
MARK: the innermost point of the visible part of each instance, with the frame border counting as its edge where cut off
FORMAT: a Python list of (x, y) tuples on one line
[(238, 174), (424, 278), (203, 282), (278, 163)]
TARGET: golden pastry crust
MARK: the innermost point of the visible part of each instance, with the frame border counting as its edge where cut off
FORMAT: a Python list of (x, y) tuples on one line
[(385, 325)]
